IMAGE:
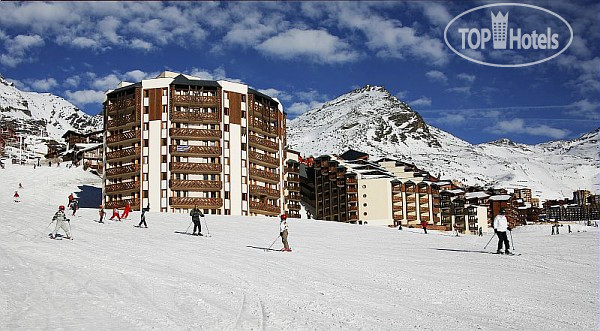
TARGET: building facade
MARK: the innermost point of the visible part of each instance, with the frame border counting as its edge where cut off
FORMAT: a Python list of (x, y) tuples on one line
[(176, 141)]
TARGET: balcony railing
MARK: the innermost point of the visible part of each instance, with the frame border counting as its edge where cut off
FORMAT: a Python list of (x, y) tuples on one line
[(123, 137), (194, 116), (123, 153), (353, 208), (396, 189), (262, 143), (123, 120), (397, 217), (264, 111), (189, 167), (294, 196), (396, 199), (396, 208), (118, 171), (264, 207), (353, 199), (186, 202), (200, 134), (263, 127), (410, 189), (119, 104), (261, 190), (294, 206), (195, 99), (352, 189), (134, 204), (411, 208), (351, 181), (195, 150), (195, 185), (268, 175), (121, 187), (264, 159)]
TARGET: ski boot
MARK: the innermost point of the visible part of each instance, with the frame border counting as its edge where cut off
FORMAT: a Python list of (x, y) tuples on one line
[(499, 252)]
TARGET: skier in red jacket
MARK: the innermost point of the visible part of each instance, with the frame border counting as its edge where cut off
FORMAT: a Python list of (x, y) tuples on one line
[(424, 225), (126, 211), (115, 214), (16, 197)]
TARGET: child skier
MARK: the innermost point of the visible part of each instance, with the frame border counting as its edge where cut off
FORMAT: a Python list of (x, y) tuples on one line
[(101, 213), (60, 220), (424, 225), (17, 197), (126, 211), (115, 214), (283, 232)]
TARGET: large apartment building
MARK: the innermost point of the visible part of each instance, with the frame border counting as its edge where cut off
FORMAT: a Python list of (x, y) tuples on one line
[(176, 141)]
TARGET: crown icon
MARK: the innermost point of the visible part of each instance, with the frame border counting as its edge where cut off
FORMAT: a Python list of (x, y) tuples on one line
[(499, 28)]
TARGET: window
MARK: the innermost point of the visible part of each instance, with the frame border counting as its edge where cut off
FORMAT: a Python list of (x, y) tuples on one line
[(145, 93), (227, 212), (226, 161), (243, 114), (364, 186), (226, 127), (243, 146), (164, 109), (146, 109), (243, 98), (226, 111), (364, 204), (145, 160), (164, 91), (364, 195), (365, 213)]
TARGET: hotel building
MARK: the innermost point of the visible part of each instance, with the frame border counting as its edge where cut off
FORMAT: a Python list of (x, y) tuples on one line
[(176, 141)]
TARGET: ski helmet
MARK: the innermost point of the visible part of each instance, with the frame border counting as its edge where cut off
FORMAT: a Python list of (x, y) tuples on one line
[(61, 207), (283, 216)]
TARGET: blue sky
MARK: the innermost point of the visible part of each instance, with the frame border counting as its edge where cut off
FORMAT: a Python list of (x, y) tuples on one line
[(306, 53)]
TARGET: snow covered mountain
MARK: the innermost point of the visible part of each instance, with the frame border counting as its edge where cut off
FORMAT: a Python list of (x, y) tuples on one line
[(42, 113), (372, 120)]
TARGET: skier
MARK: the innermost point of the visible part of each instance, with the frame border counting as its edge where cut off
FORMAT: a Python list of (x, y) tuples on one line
[(74, 206), (569, 228), (456, 229), (480, 231), (400, 226), (126, 211), (101, 213), (553, 226), (71, 198), (61, 220), (424, 225), (196, 214), (17, 197), (115, 214), (143, 217), (500, 227), (20, 186), (283, 232), (557, 232)]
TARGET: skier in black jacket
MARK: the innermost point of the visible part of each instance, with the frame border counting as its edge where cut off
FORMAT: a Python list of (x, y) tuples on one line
[(196, 214)]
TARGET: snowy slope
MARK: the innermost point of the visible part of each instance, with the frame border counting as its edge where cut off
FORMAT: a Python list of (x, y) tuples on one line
[(372, 120), (42, 113), (340, 276)]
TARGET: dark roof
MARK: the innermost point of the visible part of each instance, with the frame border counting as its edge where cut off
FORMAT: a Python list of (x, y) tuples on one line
[(124, 88), (182, 80), (73, 132), (253, 91), (353, 155)]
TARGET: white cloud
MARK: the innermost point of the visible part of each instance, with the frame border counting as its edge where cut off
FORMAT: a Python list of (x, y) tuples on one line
[(299, 108), (275, 93), (316, 45), (466, 77), (401, 94), (421, 102), (107, 82), (141, 44), (451, 119), (518, 126), (137, 75), (18, 47), (43, 85), (436, 13), (72, 81), (585, 108), (84, 97), (437, 76), (460, 89)]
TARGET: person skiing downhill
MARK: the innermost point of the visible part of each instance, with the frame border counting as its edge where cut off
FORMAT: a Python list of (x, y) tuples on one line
[(500, 227), (101, 213), (61, 223), (283, 232), (20, 186), (143, 217), (196, 214), (74, 206), (126, 211), (115, 214), (424, 225), (16, 197)]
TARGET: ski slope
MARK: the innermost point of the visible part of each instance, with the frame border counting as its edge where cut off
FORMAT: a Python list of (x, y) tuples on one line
[(339, 276)]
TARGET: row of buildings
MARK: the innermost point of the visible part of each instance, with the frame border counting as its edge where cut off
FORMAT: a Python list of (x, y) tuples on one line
[(583, 206), (176, 141)]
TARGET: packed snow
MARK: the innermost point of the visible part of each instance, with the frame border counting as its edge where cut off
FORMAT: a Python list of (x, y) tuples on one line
[(372, 120), (339, 276)]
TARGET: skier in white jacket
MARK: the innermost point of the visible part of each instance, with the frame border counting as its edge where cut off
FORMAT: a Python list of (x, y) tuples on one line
[(500, 227), (61, 223), (283, 231)]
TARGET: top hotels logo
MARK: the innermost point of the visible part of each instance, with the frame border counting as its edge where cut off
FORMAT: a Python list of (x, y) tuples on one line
[(501, 42)]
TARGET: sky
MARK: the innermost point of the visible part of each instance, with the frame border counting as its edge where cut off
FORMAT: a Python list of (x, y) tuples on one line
[(306, 53)]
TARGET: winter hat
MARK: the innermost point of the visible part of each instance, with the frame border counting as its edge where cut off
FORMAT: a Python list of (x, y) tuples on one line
[(61, 207), (283, 216)]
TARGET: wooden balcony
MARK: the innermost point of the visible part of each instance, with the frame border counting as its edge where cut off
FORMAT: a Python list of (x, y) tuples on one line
[(264, 160), (264, 191), (263, 127), (396, 189), (123, 138), (410, 189), (263, 144), (124, 170), (411, 217), (190, 168), (352, 207), (352, 189), (264, 208), (411, 208), (353, 198), (120, 104), (294, 196), (294, 206), (196, 100), (265, 176), (411, 198), (397, 198), (424, 210), (123, 154), (425, 218), (351, 181), (126, 120), (195, 151), (423, 201), (202, 203), (195, 134), (134, 204), (194, 117), (396, 208), (267, 113), (195, 185), (122, 187), (353, 217), (397, 217)]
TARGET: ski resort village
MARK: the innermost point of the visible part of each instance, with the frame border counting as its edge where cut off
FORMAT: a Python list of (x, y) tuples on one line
[(298, 166)]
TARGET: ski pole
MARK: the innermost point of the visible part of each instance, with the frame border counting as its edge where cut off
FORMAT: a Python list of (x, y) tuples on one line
[(188, 228), (486, 245), (511, 240), (273, 243)]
